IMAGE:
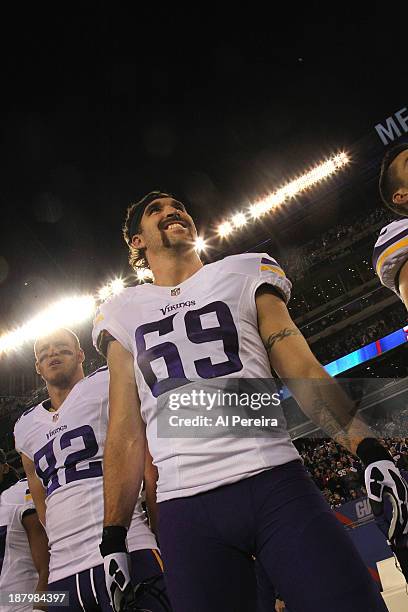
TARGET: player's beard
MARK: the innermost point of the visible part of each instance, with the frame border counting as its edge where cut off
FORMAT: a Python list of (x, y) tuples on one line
[(63, 380), (179, 245)]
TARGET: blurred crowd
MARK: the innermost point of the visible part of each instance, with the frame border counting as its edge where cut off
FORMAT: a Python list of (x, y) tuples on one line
[(299, 261), (337, 473), (343, 313), (360, 334)]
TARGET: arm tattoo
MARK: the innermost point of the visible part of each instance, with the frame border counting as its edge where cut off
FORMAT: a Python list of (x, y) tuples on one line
[(340, 421), (329, 422), (280, 335)]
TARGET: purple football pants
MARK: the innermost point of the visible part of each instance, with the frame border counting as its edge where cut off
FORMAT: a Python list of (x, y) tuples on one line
[(87, 591), (208, 542)]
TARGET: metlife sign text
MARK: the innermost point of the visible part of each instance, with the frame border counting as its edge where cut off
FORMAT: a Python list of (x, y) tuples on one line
[(393, 127)]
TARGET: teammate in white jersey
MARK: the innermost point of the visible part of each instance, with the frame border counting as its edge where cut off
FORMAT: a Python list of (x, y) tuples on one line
[(390, 257), (62, 442), (23, 544), (224, 499)]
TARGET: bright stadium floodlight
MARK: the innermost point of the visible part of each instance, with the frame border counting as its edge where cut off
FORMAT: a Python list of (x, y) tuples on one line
[(65, 313), (117, 286), (143, 274), (239, 220), (307, 180), (224, 229), (200, 244), (255, 211), (104, 293)]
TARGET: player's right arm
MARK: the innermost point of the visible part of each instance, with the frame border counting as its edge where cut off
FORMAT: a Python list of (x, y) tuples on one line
[(123, 467), (124, 456), (36, 488)]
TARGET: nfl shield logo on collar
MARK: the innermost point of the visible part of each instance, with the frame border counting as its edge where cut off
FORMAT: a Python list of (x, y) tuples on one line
[(55, 417), (175, 292)]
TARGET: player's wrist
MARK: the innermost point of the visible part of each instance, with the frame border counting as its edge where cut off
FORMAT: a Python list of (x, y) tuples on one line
[(370, 450), (113, 540)]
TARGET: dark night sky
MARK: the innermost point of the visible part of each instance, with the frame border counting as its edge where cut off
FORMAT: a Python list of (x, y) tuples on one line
[(99, 108)]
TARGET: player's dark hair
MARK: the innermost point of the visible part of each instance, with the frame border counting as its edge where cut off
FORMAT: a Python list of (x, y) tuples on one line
[(389, 179), (131, 226)]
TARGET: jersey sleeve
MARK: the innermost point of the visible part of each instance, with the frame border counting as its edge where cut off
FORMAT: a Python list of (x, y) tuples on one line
[(261, 269), (390, 253), (21, 429), (107, 322), (26, 505)]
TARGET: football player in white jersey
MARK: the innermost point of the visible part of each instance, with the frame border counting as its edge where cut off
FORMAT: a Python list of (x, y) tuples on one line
[(390, 257), (23, 543), (61, 441), (222, 499)]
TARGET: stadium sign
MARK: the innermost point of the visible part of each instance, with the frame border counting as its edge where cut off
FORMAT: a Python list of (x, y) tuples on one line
[(393, 127)]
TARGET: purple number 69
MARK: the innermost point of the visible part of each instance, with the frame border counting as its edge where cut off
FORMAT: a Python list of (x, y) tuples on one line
[(196, 333)]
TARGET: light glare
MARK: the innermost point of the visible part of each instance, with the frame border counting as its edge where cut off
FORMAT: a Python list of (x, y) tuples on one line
[(200, 244), (307, 180), (65, 313), (239, 220), (104, 293), (117, 286), (224, 229), (143, 274)]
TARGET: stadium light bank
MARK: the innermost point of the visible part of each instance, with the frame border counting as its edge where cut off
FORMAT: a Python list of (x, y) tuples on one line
[(78, 309)]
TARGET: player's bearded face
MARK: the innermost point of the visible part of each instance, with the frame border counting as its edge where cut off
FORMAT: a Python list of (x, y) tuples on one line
[(401, 196), (166, 224), (58, 359)]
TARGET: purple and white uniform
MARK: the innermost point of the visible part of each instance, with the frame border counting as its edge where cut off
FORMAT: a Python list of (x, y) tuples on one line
[(67, 449)]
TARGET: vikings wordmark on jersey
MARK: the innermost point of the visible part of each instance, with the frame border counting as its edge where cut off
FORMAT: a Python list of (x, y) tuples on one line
[(208, 330), (67, 454)]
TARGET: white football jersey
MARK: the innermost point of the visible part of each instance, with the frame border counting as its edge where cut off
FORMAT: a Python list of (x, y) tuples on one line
[(205, 328), (391, 252), (17, 571), (67, 449)]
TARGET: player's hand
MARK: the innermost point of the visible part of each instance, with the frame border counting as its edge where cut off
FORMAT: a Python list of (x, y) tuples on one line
[(386, 490), (388, 495), (117, 567), (117, 579)]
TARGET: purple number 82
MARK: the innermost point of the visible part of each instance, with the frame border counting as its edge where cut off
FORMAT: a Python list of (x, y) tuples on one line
[(49, 474)]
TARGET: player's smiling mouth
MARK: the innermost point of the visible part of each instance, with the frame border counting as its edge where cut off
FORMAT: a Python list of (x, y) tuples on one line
[(173, 225), (170, 223)]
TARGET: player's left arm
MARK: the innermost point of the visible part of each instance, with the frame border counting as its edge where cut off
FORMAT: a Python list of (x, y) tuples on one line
[(403, 283), (317, 393), (325, 403), (150, 481), (38, 542)]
